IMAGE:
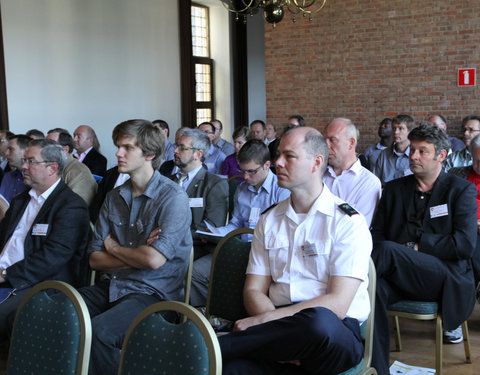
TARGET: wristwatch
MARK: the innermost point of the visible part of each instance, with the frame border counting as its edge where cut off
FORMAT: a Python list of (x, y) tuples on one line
[(3, 274)]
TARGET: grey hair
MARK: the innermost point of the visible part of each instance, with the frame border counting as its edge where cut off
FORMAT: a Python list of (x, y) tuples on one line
[(51, 151), (350, 128), (200, 140)]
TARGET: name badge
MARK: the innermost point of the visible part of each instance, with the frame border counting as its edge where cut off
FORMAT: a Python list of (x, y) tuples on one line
[(254, 216), (309, 250), (195, 202), (40, 230), (437, 211)]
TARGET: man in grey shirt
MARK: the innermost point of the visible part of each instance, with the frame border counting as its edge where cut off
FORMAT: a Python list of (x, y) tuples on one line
[(140, 263)]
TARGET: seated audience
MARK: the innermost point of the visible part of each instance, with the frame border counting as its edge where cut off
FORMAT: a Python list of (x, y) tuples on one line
[(307, 276), (230, 164), (207, 193), (373, 151), (424, 234), (169, 147), (258, 192), (393, 162), (463, 158), (13, 182), (225, 146), (441, 122), (345, 176), (88, 150), (215, 156), (45, 232), (75, 174), (168, 167), (139, 266)]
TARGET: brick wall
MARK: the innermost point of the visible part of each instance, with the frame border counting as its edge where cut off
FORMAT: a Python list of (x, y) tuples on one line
[(370, 59)]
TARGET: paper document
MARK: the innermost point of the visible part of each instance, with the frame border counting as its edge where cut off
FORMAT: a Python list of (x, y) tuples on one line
[(399, 368)]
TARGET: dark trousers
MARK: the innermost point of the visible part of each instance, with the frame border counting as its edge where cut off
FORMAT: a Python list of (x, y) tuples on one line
[(8, 310), (110, 322), (402, 273), (316, 337)]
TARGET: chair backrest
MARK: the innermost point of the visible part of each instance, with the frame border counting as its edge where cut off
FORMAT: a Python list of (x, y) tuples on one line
[(227, 276), (232, 188), (154, 344), (51, 335), (188, 278)]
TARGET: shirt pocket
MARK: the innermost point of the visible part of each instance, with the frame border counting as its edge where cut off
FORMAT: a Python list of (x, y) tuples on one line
[(315, 256), (118, 225), (277, 248)]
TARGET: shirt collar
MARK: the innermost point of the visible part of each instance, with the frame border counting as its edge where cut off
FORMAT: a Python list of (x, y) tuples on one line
[(324, 204), (83, 154), (267, 184), (355, 169), (43, 197), (379, 146), (406, 153)]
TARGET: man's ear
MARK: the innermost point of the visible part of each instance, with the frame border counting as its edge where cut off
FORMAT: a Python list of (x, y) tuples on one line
[(318, 162)]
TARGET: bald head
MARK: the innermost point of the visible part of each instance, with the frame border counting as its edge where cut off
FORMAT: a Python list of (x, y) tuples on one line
[(438, 121)]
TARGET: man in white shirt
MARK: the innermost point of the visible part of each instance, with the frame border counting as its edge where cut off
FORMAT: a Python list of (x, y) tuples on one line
[(306, 285), (345, 176), (45, 232)]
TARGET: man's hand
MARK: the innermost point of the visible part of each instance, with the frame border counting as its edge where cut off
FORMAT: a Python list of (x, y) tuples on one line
[(478, 226), (243, 324), (153, 236), (2, 280)]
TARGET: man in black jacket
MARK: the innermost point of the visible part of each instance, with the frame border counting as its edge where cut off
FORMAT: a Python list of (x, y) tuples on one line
[(424, 234), (45, 232)]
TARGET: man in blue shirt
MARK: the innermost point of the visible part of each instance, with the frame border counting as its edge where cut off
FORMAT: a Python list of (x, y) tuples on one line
[(258, 192), (12, 183), (215, 156)]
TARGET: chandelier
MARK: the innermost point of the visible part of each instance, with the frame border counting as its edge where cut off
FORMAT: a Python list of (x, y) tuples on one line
[(273, 10)]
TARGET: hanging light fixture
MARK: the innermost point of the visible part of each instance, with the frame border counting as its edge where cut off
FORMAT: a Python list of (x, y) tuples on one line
[(273, 10)]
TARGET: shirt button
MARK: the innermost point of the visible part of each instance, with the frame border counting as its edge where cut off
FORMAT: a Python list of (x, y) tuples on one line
[(131, 225), (114, 277), (131, 243)]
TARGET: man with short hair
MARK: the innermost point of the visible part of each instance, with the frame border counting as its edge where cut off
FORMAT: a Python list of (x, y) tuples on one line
[(270, 133), (13, 181), (45, 232), (306, 286), (207, 192), (424, 234), (441, 122), (226, 147), (165, 129), (373, 151), (88, 150), (345, 176), (258, 192), (3, 148), (257, 130), (76, 175), (215, 156), (463, 157), (139, 264), (393, 162), (292, 122)]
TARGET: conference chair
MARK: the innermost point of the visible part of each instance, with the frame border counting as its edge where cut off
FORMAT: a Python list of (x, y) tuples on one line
[(426, 311), (227, 276), (51, 336), (154, 345)]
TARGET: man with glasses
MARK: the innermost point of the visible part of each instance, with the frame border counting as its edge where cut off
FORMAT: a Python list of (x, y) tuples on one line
[(257, 193), (463, 158), (207, 193), (215, 157), (45, 232)]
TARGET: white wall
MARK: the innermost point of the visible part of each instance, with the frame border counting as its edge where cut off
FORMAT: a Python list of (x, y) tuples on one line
[(96, 62)]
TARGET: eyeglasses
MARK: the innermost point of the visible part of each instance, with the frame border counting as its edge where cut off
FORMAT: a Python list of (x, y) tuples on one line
[(30, 162), (249, 172), (470, 130), (184, 148)]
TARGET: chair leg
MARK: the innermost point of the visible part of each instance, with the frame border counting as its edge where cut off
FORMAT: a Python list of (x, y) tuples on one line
[(438, 346), (466, 342), (396, 331)]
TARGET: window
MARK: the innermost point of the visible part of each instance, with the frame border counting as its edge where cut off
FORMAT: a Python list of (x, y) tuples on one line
[(204, 95)]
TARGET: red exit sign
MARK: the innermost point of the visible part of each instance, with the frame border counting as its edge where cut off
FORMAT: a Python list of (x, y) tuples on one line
[(467, 76)]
